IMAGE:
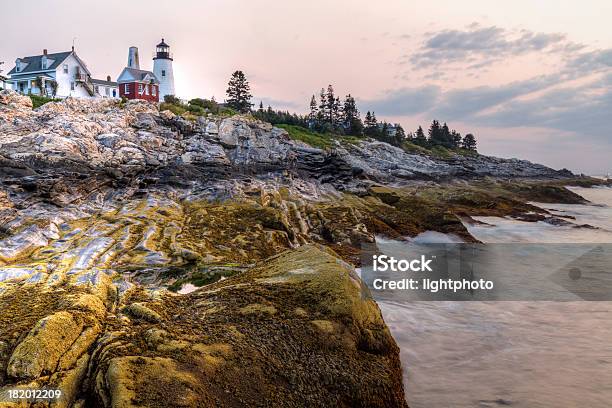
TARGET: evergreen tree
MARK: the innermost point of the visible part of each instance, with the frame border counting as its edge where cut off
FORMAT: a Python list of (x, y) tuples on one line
[(322, 104), (330, 105), (446, 138), (384, 133), (314, 112), (239, 93), (469, 142), (337, 113), (420, 138), (351, 119), (400, 135), (261, 108), (435, 133), (455, 139), (371, 124)]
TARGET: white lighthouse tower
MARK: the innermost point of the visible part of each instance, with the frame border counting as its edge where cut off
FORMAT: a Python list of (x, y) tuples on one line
[(162, 68)]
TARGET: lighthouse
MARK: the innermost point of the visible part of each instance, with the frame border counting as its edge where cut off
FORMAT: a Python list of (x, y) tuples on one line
[(162, 68)]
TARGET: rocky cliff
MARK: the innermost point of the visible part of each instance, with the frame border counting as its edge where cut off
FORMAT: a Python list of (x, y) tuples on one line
[(107, 209)]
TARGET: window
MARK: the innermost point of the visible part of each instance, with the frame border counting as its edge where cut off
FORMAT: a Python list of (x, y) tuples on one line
[(153, 90), (97, 89), (107, 91), (65, 68), (146, 89), (72, 86), (114, 93), (127, 88), (163, 72), (140, 89)]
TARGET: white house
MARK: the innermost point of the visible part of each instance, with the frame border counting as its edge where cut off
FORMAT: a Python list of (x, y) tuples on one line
[(3, 83), (105, 89), (61, 75)]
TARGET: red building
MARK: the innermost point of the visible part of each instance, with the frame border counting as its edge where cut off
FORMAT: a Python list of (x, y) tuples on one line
[(138, 84)]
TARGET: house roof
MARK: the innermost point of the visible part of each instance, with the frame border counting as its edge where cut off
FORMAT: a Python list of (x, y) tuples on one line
[(136, 75), (35, 63), (103, 82)]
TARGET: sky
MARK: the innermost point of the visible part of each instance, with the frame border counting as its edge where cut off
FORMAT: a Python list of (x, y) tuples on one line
[(530, 78)]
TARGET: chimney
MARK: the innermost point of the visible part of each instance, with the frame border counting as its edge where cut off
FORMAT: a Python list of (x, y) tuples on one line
[(108, 78), (45, 51)]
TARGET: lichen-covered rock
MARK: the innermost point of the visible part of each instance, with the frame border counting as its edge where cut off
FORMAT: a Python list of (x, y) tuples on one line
[(142, 311), (336, 352), (43, 347)]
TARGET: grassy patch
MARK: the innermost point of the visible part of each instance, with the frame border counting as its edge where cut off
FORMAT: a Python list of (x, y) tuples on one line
[(38, 101), (176, 109), (441, 152), (413, 148), (310, 138), (314, 139)]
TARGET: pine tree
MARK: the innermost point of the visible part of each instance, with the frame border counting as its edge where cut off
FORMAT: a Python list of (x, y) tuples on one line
[(322, 106), (435, 133), (351, 119), (455, 139), (371, 124), (384, 132), (400, 135), (446, 138), (419, 137), (337, 113), (469, 142), (261, 108), (330, 105), (239, 93), (314, 112)]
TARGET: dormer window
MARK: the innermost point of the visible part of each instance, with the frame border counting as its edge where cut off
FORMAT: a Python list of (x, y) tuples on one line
[(18, 66)]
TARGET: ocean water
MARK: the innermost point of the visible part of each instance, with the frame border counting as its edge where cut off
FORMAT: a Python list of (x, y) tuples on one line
[(528, 354)]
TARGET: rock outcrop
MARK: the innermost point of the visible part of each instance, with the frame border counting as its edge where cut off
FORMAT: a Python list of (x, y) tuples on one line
[(107, 210), (105, 136)]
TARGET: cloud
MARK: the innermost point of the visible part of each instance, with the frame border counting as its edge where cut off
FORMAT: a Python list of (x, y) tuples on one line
[(483, 45), (460, 104), (583, 109), (590, 62), (403, 102)]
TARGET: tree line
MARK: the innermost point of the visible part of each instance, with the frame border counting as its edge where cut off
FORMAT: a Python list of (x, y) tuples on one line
[(329, 114)]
